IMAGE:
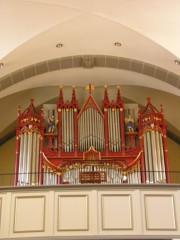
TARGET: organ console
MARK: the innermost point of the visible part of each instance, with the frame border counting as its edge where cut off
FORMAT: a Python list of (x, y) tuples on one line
[(110, 144)]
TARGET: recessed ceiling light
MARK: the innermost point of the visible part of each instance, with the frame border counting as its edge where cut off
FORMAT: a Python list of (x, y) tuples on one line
[(1, 65), (59, 45), (177, 62), (117, 44)]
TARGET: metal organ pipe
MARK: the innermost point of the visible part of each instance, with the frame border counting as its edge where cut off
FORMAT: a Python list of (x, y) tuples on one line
[(162, 157), (154, 157), (29, 154), (71, 176), (24, 157), (118, 132), (28, 158), (68, 130), (49, 177), (91, 130), (154, 154), (150, 157), (37, 158), (34, 158), (158, 156), (20, 171), (114, 130), (110, 129), (146, 158)]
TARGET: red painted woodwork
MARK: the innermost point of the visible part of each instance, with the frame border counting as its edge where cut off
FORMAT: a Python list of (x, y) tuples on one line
[(57, 160)]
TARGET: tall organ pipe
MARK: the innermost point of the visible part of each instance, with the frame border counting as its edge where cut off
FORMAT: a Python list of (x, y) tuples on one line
[(157, 134), (21, 158), (154, 155), (91, 130), (146, 158), (162, 158), (34, 158), (29, 153), (150, 157)]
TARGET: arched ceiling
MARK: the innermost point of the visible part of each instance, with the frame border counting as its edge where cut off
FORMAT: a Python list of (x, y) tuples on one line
[(148, 30)]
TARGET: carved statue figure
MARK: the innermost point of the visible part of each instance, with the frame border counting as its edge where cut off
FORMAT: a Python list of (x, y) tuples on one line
[(51, 124), (129, 123)]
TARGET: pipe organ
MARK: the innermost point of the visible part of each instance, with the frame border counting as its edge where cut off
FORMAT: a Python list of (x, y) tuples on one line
[(115, 143)]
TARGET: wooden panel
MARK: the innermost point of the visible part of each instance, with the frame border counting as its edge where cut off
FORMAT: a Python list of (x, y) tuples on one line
[(73, 213), (116, 212), (29, 214), (155, 207)]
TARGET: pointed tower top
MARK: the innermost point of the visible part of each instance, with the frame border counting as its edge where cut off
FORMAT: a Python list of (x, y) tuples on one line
[(31, 109), (60, 99), (105, 101), (149, 107), (119, 101), (74, 101), (19, 110)]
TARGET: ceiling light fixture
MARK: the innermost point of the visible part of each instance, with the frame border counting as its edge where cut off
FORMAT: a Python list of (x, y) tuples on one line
[(177, 62), (59, 45), (1, 65), (117, 44)]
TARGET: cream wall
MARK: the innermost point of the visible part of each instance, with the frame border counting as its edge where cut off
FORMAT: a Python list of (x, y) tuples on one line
[(174, 160), (7, 157)]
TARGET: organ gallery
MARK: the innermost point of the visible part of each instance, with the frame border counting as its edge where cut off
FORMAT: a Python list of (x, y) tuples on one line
[(107, 143)]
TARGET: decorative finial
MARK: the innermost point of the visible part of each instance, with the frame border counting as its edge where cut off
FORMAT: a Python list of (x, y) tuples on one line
[(148, 99), (32, 100), (19, 110), (90, 88), (162, 111)]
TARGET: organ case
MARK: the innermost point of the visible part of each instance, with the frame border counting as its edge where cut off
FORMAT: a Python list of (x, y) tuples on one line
[(110, 144)]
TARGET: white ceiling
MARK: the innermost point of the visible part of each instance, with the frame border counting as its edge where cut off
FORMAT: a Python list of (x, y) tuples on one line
[(149, 31)]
